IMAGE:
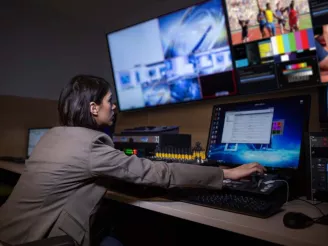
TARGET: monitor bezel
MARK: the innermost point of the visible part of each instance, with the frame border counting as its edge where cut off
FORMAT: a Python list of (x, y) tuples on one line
[(28, 137), (307, 100), (323, 110), (233, 77)]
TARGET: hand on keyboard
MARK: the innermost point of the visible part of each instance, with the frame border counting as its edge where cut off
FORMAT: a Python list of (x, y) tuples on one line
[(243, 171)]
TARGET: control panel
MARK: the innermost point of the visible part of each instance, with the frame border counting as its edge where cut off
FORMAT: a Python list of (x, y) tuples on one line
[(161, 147), (318, 161), (195, 155), (257, 184)]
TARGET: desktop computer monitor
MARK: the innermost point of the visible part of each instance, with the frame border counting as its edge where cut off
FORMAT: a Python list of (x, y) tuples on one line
[(34, 135), (269, 132)]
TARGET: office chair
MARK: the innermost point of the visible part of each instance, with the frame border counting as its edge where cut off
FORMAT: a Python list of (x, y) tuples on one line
[(54, 241)]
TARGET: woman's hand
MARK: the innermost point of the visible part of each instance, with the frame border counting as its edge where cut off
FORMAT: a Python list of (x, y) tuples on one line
[(243, 171)]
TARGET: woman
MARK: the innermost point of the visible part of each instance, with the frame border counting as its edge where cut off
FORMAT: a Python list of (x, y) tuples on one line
[(293, 19), (269, 16), (262, 22), (58, 195), (244, 29), (281, 20)]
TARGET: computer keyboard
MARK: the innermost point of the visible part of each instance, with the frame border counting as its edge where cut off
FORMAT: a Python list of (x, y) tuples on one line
[(250, 197), (234, 201)]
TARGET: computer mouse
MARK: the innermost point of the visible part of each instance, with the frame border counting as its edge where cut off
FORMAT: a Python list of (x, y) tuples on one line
[(297, 220)]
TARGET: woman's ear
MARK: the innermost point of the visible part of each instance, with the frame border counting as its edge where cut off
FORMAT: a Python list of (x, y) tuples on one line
[(94, 108)]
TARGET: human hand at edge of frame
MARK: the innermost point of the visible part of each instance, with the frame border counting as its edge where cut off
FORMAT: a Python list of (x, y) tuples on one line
[(243, 171)]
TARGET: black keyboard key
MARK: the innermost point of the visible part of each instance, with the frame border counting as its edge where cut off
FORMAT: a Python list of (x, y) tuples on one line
[(258, 206)]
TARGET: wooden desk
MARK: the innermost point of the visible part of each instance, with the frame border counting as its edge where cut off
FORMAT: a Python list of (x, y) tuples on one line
[(13, 167), (271, 229)]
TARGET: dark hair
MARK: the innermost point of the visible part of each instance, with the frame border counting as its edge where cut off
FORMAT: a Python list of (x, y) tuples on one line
[(75, 98)]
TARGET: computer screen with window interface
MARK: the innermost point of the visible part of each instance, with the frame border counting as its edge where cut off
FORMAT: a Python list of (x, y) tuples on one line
[(269, 132), (34, 136)]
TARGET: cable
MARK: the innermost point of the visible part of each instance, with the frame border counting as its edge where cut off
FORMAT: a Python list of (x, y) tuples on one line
[(281, 180), (323, 215), (314, 205), (320, 219)]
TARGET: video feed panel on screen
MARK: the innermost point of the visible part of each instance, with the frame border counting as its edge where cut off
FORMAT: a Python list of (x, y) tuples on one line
[(179, 57), (319, 10), (273, 44), (269, 132)]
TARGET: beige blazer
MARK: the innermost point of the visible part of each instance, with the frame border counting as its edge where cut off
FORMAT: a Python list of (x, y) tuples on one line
[(57, 193)]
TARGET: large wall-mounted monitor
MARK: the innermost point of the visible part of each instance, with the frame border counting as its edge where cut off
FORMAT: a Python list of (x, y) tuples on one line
[(269, 132), (179, 57), (273, 44)]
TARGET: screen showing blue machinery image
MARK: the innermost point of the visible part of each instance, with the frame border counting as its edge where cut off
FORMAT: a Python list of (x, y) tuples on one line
[(269, 132), (179, 57)]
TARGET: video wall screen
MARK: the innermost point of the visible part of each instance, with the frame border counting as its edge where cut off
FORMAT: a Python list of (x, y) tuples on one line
[(273, 44), (220, 48), (179, 57)]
